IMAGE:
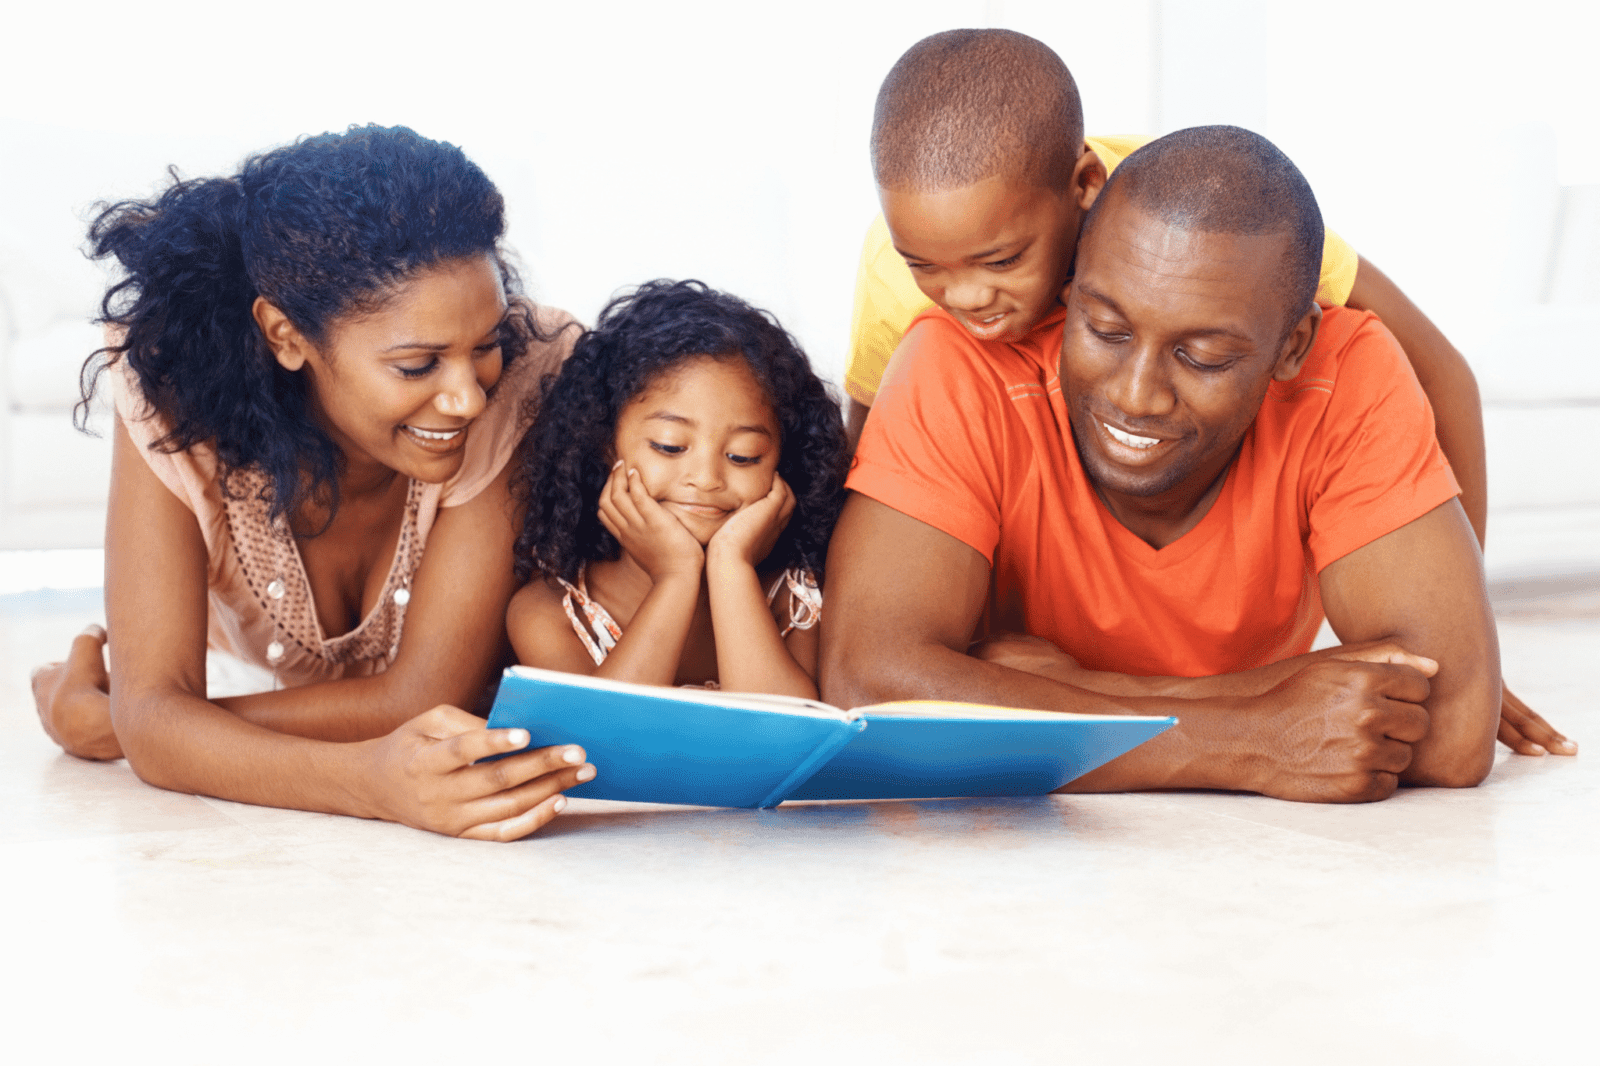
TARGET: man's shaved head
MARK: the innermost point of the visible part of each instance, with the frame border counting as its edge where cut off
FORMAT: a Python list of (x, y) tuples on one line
[(1223, 179), (965, 105)]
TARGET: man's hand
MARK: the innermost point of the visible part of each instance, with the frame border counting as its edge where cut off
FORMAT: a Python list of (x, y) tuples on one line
[(1525, 732), (73, 699), (658, 542), (1338, 732)]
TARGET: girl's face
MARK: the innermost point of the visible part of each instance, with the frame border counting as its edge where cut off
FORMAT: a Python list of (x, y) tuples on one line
[(401, 387), (704, 439)]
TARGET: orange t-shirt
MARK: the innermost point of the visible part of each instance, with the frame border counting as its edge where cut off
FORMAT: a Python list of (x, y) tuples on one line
[(972, 438)]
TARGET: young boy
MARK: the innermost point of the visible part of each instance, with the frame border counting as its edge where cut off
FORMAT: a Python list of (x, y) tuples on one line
[(984, 175)]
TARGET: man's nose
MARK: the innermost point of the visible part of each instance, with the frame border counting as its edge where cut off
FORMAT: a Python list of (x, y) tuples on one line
[(1141, 386)]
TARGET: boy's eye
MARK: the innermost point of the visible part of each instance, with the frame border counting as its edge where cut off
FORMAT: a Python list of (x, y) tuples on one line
[(418, 371), (1000, 264), (667, 449)]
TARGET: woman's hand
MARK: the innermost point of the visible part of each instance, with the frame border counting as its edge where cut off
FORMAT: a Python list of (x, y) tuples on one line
[(73, 699), (750, 532), (658, 542), (426, 775)]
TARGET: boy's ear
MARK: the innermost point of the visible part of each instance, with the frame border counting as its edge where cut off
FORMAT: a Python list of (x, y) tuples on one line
[(1297, 345), (1088, 178), (289, 346)]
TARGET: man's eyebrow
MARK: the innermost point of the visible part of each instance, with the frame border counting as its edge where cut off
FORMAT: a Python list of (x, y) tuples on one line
[(1099, 297)]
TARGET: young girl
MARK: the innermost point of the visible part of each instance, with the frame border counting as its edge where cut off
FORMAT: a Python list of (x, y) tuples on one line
[(319, 371), (680, 483)]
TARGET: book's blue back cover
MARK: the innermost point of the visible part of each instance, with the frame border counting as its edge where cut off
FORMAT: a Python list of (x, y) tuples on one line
[(656, 746), (899, 757)]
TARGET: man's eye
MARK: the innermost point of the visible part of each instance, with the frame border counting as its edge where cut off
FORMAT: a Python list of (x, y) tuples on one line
[(1200, 364), (667, 449), (1110, 335), (418, 371)]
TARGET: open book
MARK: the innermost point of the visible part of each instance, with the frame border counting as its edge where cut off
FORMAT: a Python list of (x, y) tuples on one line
[(726, 749)]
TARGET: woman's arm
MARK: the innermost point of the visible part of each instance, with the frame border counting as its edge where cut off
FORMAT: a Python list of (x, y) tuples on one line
[(423, 773)]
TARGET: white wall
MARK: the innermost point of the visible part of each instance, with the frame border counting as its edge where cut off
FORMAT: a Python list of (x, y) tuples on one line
[(728, 140)]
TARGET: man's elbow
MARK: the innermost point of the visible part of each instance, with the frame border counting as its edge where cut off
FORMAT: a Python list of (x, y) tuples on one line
[(844, 672), (1463, 763)]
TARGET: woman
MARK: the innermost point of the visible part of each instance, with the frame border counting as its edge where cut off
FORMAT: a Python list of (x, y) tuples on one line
[(320, 368)]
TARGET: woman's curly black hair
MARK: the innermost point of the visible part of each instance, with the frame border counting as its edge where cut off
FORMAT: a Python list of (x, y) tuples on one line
[(323, 228), (566, 455)]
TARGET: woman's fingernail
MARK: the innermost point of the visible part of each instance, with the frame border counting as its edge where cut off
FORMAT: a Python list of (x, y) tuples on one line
[(95, 631), (517, 738), (616, 464), (559, 805), (586, 773), (1536, 749), (572, 755)]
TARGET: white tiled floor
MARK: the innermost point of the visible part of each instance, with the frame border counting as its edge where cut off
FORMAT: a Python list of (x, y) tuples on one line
[(1449, 927)]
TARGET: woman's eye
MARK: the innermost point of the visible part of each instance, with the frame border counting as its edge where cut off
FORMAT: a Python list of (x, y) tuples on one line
[(418, 371), (667, 449), (487, 349)]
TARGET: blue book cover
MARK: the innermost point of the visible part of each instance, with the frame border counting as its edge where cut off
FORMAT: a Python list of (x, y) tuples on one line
[(721, 749)]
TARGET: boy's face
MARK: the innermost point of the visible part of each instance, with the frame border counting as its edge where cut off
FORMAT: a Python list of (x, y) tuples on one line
[(995, 254)]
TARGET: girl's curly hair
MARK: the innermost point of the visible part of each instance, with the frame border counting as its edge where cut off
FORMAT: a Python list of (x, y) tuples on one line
[(323, 228), (565, 457)]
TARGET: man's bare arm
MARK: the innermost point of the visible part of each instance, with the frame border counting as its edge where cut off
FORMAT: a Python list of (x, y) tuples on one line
[(1422, 586), (1458, 414), (904, 599)]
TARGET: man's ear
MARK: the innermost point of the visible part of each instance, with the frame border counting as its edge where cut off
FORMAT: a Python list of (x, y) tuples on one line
[(1088, 178), (289, 346), (1297, 345)]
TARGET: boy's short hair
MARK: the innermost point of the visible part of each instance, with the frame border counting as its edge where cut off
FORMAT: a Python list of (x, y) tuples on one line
[(965, 105), (1224, 179)]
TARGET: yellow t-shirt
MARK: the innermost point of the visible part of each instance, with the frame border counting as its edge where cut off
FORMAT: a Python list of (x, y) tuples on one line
[(887, 297)]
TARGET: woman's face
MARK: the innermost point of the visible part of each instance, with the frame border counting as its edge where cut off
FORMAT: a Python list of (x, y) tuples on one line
[(401, 387), (704, 439)]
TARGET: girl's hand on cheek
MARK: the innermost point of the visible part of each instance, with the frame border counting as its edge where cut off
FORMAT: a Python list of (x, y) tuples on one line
[(750, 532), (660, 543)]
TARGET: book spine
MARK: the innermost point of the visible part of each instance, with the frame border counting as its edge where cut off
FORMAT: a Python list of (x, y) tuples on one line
[(815, 761)]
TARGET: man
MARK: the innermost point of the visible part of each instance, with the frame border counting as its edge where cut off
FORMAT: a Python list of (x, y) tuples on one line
[(1165, 485)]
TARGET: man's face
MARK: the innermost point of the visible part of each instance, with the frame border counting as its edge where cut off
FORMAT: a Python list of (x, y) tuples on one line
[(1172, 336), (995, 254)]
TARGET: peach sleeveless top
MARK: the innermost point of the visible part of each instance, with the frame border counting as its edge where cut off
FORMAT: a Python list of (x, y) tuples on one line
[(260, 605)]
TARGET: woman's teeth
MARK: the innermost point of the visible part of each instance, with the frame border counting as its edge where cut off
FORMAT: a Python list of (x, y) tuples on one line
[(1131, 440), (434, 434)]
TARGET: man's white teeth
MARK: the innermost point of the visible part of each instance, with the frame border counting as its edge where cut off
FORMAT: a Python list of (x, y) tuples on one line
[(433, 434), (1130, 439)]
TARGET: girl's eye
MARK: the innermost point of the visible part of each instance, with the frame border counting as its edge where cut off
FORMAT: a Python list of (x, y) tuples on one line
[(667, 449), (418, 371), (743, 460)]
